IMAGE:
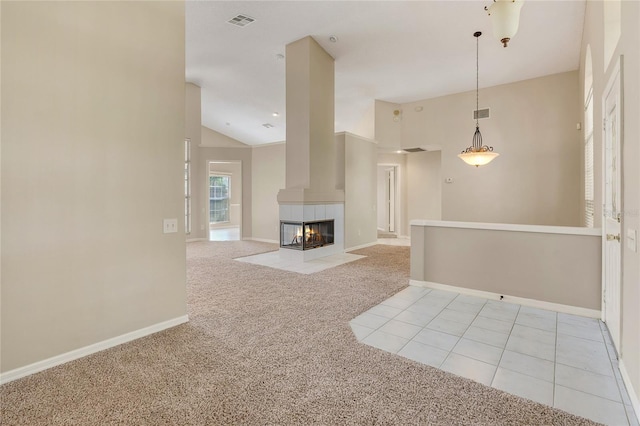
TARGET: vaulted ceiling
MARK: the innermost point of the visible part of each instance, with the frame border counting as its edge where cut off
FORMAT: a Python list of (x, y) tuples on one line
[(395, 51)]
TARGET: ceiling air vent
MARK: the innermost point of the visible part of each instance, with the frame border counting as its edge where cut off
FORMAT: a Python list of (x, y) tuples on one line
[(241, 20), (267, 125), (481, 113), (413, 149)]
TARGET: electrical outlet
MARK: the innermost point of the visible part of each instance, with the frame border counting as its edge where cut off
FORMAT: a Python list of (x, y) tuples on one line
[(170, 226)]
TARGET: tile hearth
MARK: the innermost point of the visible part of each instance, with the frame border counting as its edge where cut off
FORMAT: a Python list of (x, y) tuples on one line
[(275, 260), (561, 360)]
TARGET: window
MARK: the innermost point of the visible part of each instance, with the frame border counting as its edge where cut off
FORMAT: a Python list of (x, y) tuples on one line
[(589, 205), (219, 193), (187, 186)]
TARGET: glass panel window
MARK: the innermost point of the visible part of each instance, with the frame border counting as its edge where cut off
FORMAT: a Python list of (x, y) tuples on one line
[(219, 196)]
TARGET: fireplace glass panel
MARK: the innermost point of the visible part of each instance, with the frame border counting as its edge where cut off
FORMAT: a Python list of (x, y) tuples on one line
[(306, 235)]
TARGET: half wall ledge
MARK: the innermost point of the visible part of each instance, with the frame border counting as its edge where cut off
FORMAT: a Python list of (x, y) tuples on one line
[(553, 265)]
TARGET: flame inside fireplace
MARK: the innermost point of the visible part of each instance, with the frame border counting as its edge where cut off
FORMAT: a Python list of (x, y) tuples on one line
[(306, 235)]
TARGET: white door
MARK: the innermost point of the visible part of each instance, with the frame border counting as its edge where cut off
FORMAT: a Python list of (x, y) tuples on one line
[(612, 207), (391, 199)]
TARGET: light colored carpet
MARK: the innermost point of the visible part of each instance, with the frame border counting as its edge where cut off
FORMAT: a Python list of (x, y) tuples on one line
[(266, 346)]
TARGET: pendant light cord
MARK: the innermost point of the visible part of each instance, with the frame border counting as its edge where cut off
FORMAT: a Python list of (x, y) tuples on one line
[(477, 72)]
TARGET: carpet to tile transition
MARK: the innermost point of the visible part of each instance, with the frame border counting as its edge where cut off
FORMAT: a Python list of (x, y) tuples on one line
[(266, 347)]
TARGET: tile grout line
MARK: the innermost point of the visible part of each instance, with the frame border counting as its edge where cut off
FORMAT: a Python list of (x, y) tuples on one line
[(505, 346)]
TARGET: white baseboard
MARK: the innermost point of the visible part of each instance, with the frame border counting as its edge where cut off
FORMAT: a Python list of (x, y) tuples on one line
[(45, 364), (360, 246), (406, 237), (567, 309), (262, 240), (193, 240), (633, 395)]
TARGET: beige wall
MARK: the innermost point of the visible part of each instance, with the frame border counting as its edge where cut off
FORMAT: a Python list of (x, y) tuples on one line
[(360, 213), (92, 161), (629, 47), (424, 185), (388, 132), (532, 126), (554, 268), (267, 176), (234, 170)]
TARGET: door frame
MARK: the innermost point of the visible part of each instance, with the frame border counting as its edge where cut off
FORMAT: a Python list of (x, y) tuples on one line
[(613, 87), (398, 195)]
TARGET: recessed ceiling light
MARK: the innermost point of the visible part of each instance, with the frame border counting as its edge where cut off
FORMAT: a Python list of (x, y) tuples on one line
[(398, 152), (241, 20), (333, 39), (275, 114)]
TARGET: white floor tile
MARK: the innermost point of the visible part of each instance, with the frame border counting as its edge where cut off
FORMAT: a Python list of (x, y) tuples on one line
[(524, 386), (535, 320), (532, 348), (472, 308), (578, 320), (465, 318), (499, 312), (480, 351), (385, 311), (593, 407), (528, 365), (447, 326), (486, 336), (415, 318), (572, 369), (360, 331), (470, 300), (534, 334), (398, 302), (384, 341), (437, 339), (493, 324), (423, 353), (428, 308), (399, 328), (369, 320), (592, 383), (470, 368), (591, 333), (584, 354)]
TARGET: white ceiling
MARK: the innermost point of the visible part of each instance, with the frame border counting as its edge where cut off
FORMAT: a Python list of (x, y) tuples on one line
[(395, 51)]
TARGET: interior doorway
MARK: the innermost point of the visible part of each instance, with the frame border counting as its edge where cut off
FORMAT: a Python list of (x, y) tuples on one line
[(224, 182), (612, 212), (387, 200)]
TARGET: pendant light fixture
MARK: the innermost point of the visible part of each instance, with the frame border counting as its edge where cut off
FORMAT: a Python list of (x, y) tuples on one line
[(477, 154), (505, 18)]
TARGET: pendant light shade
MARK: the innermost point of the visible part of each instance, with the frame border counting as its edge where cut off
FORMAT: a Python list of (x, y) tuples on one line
[(477, 154), (505, 18)]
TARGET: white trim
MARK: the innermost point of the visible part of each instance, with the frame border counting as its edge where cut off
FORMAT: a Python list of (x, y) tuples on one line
[(633, 396), (405, 237), (45, 364), (557, 307), (261, 240), (268, 144), (193, 240), (570, 230), (361, 246)]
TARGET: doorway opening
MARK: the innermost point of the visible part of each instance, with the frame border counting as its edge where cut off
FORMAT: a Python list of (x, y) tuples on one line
[(225, 200)]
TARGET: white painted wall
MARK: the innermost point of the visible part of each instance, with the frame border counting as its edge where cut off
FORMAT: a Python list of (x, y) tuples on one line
[(92, 162), (424, 194)]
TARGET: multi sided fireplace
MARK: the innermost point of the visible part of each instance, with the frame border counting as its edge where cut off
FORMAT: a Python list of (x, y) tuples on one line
[(306, 235)]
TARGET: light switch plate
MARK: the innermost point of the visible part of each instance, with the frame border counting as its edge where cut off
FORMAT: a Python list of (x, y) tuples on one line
[(632, 238), (170, 226)]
